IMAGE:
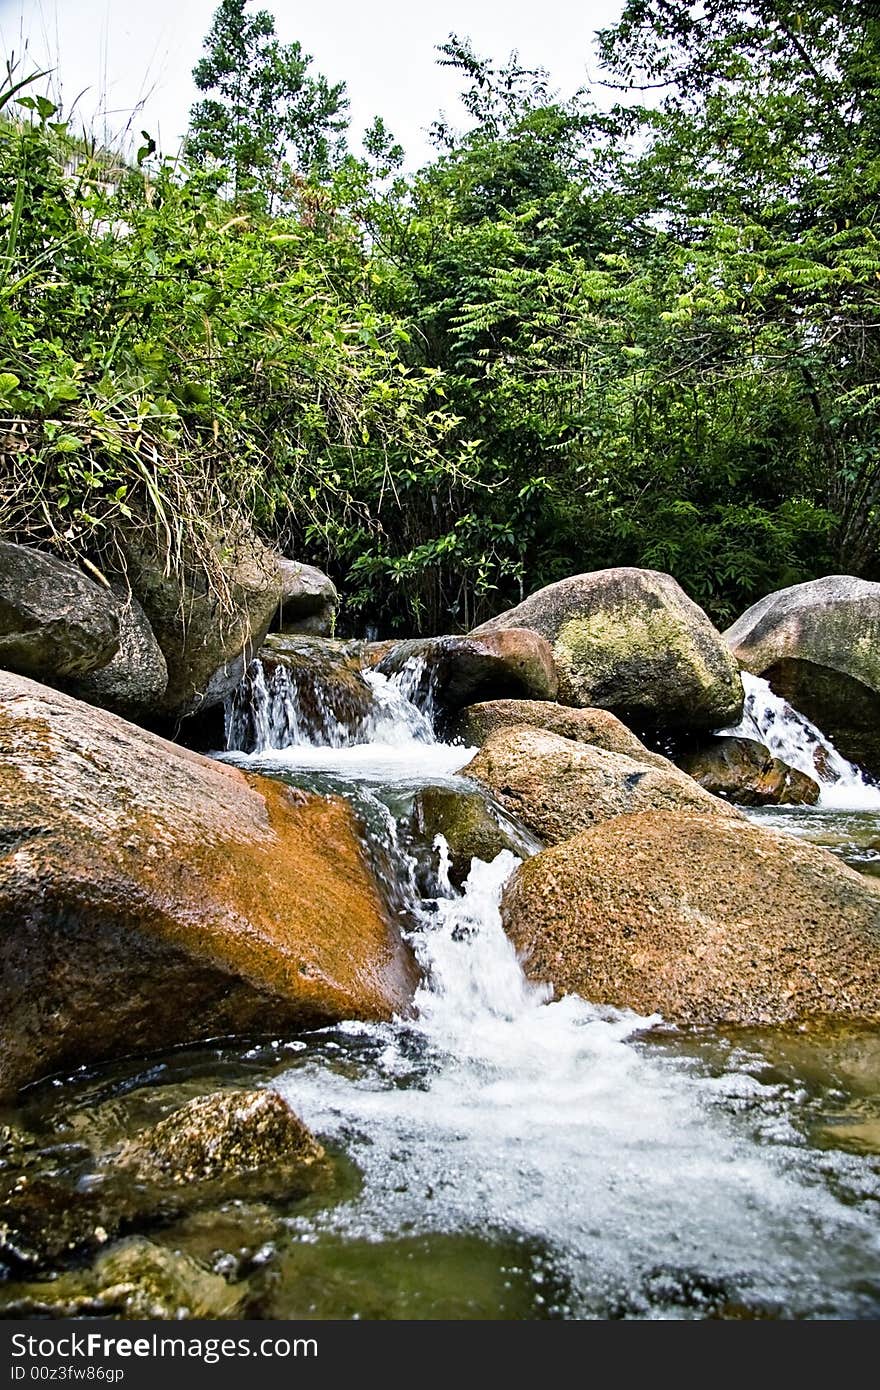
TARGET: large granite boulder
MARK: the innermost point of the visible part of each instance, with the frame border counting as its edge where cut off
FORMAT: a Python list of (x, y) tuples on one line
[(818, 644), (134, 681), (702, 919), (596, 726), (556, 787), (209, 614), (55, 622), (150, 896), (631, 641)]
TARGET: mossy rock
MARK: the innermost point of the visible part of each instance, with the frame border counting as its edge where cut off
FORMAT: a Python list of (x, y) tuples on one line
[(631, 641)]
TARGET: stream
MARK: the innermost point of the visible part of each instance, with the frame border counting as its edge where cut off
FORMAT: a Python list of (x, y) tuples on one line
[(509, 1155)]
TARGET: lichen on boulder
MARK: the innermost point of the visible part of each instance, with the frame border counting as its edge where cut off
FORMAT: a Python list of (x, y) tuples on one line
[(631, 641)]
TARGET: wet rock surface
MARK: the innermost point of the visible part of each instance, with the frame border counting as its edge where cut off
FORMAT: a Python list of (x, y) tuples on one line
[(464, 669), (818, 644), (471, 825), (150, 896), (703, 920), (227, 1139), (747, 773)]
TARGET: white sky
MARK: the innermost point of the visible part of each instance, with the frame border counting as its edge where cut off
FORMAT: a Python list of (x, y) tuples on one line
[(123, 51)]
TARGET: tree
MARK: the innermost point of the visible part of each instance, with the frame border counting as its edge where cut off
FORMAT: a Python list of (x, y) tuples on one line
[(265, 118)]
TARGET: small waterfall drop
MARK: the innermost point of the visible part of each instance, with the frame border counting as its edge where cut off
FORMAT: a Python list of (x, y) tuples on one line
[(296, 709), (791, 737)]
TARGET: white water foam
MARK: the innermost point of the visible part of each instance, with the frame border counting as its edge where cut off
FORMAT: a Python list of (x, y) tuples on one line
[(791, 737), (500, 1112), (271, 713)]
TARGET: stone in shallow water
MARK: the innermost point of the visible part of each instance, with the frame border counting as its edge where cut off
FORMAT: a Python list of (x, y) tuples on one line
[(135, 1279), (149, 896), (223, 1138), (747, 773), (705, 920)]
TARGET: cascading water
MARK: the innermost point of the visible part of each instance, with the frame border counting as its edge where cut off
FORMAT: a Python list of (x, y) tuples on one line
[(655, 1185), (292, 710), (791, 737)]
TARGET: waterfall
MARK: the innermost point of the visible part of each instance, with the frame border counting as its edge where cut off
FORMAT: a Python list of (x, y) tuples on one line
[(790, 736), (301, 708)]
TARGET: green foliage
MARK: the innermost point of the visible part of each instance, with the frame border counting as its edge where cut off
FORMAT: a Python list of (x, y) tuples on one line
[(265, 119), (573, 340)]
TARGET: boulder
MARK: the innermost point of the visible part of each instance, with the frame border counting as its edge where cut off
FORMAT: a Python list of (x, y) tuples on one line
[(703, 919), (818, 644), (223, 1139), (459, 670), (744, 771), (209, 614), (309, 600), (556, 787), (472, 825), (596, 726), (150, 896), (631, 641), (55, 623), (133, 683)]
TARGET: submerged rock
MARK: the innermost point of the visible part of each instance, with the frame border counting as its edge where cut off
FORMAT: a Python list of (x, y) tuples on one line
[(557, 787), (309, 600), (223, 1138), (631, 641), (596, 726), (55, 623), (744, 771), (464, 669), (818, 644), (471, 825), (135, 1279), (705, 920), (150, 896)]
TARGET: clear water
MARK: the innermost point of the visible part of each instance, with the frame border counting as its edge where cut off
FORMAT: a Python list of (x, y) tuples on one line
[(510, 1155)]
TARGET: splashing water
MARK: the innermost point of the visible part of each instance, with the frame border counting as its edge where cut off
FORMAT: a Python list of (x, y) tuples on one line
[(791, 737), (501, 1112), (295, 710)]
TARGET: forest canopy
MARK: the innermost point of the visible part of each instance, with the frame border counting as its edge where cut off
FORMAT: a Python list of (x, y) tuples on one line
[(641, 331)]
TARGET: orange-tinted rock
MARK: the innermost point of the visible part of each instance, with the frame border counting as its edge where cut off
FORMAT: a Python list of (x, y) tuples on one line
[(150, 896), (705, 920)]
